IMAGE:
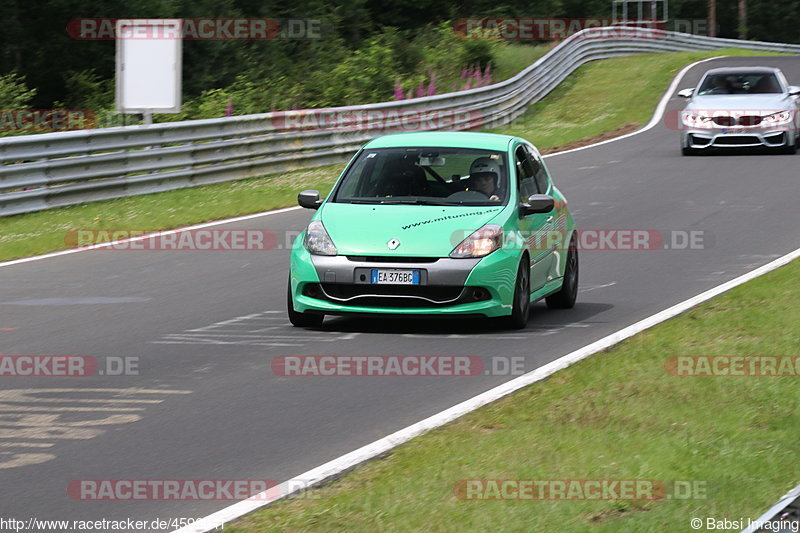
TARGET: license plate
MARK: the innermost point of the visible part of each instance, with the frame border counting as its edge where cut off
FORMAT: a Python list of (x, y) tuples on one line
[(387, 276)]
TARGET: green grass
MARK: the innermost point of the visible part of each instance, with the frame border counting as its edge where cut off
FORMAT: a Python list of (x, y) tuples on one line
[(601, 96), (615, 415), (513, 58)]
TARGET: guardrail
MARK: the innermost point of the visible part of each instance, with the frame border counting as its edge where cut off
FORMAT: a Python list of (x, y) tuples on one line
[(56, 169)]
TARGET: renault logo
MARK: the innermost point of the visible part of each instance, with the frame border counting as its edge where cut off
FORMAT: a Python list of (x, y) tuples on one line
[(393, 244)]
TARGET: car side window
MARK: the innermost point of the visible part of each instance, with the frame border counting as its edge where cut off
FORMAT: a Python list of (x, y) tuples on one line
[(526, 183), (539, 172)]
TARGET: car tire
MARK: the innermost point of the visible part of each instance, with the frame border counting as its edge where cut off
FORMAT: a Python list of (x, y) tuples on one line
[(521, 306), (789, 149), (688, 151), (300, 320), (566, 297)]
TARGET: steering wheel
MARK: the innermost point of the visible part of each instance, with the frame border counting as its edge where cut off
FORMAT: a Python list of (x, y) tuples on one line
[(466, 196)]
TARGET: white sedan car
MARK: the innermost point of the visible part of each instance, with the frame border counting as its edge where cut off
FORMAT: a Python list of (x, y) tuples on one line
[(740, 107)]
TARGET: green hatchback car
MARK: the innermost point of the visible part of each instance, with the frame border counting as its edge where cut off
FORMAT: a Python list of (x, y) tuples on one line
[(436, 223)]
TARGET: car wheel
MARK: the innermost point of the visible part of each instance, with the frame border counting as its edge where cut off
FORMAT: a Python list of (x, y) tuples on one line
[(688, 151), (790, 149), (565, 298), (300, 320), (522, 298)]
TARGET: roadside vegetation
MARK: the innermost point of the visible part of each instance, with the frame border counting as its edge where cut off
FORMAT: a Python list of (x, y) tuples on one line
[(392, 64), (353, 51)]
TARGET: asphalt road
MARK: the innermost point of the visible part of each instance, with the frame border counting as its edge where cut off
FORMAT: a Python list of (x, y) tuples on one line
[(205, 327)]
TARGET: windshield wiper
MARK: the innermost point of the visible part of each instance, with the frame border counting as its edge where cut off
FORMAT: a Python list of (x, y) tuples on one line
[(415, 201), (420, 201)]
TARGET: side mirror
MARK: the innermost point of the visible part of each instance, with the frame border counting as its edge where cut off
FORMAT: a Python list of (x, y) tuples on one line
[(686, 93), (537, 203), (309, 199), (794, 90)]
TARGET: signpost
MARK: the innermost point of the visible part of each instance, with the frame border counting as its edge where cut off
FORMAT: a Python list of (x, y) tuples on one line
[(149, 66)]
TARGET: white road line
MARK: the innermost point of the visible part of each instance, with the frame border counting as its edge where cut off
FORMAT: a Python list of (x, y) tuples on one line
[(253, 325), (223, 343), (381, 446), (215, 334), (146, 236), (172, 336), (237, 319), (595, 287), (345, 462), (468, 337), (26, 444)]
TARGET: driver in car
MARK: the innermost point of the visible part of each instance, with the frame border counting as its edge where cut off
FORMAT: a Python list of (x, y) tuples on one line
[(484, 174)]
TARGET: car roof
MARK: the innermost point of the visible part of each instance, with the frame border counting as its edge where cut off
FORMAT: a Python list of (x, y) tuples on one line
[(739, 70), (455, 139)]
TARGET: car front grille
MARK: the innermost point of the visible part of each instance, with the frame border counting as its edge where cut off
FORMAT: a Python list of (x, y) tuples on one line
[(737, 140), (390, 259), (745, 120), (749, 120), (395, 296)]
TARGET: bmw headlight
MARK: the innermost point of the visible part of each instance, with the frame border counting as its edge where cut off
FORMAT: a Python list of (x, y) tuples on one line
[(694, 119), (317, 241), (777, 119)]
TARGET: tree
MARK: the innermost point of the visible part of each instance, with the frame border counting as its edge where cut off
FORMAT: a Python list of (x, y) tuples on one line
[(742, 19), (712, 18), (14, 94)]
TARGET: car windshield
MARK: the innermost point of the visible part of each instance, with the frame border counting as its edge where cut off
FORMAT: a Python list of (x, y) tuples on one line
[(426, 176), (740, 83)]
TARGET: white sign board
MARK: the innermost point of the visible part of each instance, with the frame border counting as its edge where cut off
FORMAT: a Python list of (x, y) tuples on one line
[(149, 65)]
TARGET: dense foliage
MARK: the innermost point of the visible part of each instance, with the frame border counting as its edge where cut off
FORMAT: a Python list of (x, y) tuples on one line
[(369, 49)]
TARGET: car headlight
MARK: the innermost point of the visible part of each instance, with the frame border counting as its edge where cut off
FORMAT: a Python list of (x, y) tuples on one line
[(317, 241), (696, 120), (777, 119), (480, 243)]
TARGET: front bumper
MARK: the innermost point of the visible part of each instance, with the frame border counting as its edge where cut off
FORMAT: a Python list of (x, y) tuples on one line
[(341, 285), (743, 137)]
